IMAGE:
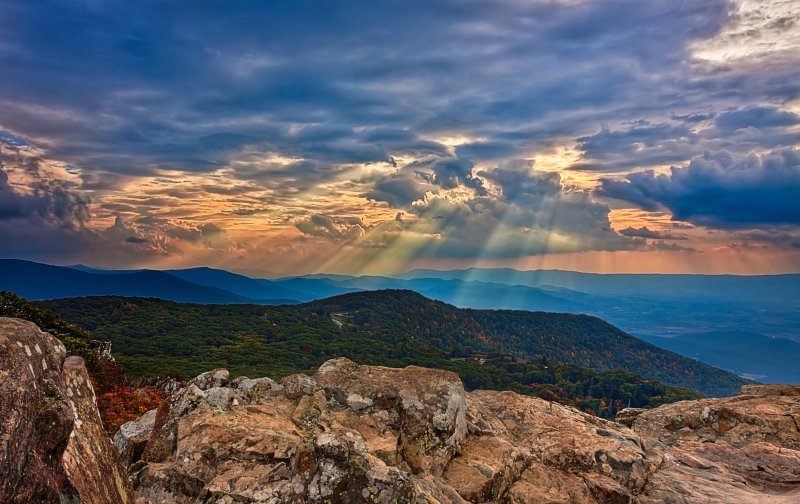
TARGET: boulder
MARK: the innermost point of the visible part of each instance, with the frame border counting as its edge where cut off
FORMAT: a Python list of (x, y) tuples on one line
[(53, 447), (210, 379), (425, 406), (132, 437), (525, 444), (91, 463)]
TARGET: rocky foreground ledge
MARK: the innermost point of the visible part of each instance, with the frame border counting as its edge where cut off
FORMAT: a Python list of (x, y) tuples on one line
[(53, 447), (355, 433)]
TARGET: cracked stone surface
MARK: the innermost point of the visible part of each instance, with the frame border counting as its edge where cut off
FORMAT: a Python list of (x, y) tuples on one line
[(354, 433)]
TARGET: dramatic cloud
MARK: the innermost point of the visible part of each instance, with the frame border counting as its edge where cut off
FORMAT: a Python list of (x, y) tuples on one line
[(398, 190), (182, 130), (505, 212), (46, 217), (339, 229), (162, 237), (46, 200), (720, 189), (755, 117), (194, 92)]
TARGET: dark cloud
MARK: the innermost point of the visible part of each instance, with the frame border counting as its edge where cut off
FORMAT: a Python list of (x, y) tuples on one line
[(194, 91), (47, 200), (720, 189), (643, 144), (191, 91), (519, 183), (398, 190), (338, 229), (645, 232), (449, 173), (668, 247), (48, 218), (755, 117)]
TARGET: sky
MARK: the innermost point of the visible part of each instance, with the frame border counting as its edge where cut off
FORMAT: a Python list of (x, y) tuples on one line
[(293, 137)]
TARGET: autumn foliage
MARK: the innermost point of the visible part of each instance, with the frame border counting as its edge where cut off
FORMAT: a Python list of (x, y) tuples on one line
[(117, 400), (123, 404)]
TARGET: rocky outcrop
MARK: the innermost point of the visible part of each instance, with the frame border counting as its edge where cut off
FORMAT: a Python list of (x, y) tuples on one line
[(53, 447), (747, 446), (354, 433)]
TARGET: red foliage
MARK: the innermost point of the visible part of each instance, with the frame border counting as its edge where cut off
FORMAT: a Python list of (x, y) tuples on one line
[(117, 400), (548, 395), (123, 404)]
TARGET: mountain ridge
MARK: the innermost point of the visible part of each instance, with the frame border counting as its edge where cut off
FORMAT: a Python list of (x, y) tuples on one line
[(508, 326), (395, 327), (40, 281)]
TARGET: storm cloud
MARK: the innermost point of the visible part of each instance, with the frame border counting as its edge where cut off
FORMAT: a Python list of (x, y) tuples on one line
[(720, 189)]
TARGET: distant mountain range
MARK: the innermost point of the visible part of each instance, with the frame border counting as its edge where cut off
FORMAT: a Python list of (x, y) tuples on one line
[(208, 285), (768, 288), (657, 308), (41, 281)]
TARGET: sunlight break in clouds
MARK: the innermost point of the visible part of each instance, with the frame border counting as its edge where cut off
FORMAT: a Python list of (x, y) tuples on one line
[(757, 29)]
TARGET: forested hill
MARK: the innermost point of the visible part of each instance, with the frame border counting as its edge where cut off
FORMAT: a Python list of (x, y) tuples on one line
[(153, 337), (574, 339), (390, 327)]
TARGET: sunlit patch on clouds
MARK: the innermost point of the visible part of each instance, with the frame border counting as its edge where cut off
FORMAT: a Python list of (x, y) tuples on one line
[(757, 29)]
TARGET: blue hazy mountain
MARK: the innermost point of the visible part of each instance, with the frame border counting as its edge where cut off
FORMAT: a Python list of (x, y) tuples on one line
[(664, 305), (318, 287), (771, 360), (777, 288), (283, 291), (253, 288), (484, 295), (42, 281)]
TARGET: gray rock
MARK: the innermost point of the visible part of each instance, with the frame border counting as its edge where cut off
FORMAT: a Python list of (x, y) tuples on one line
[(298, 385), (222, 397), (132, 437), (209, 379), (374, 434), (358, 402)]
